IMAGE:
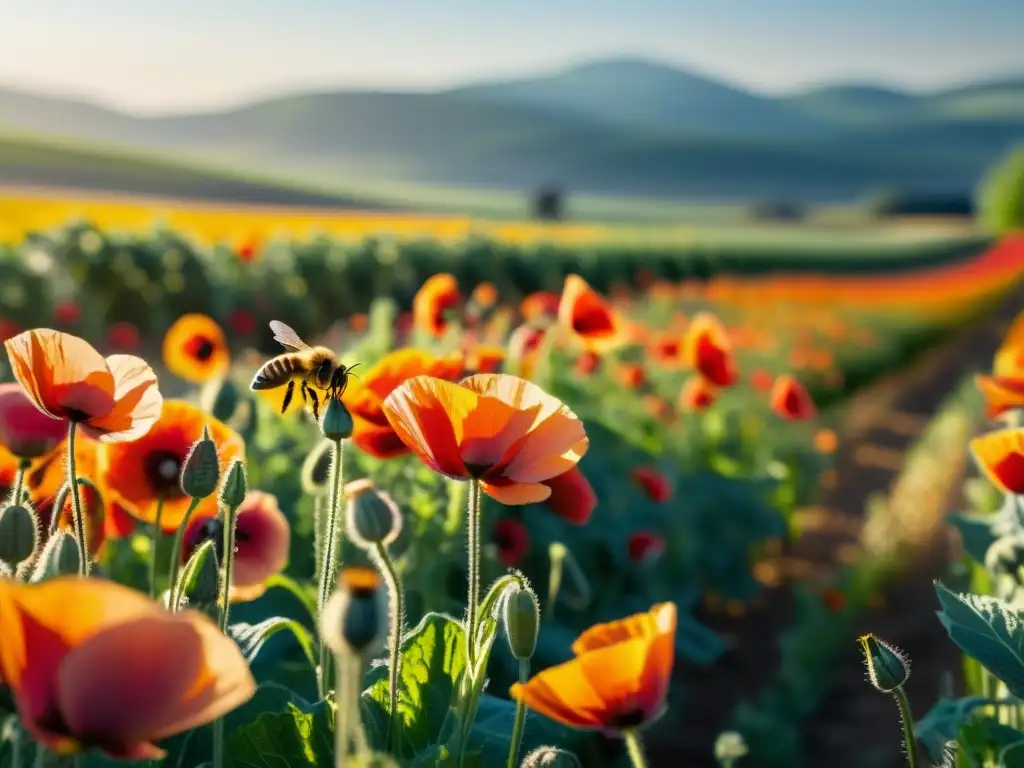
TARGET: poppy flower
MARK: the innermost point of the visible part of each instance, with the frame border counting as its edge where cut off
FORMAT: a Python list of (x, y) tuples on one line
[(48, 474), (1002, 394), (512, 541), (114, 399), (540, 305), (588, 316), (790, 400), (485, 295), (92, 509), (618, 680), (572, 496), (8, 329), (364, 399), (707, 349), (248, 249), (833, 599), (66, 313), (644, 546), (486, 358), (761, 380), (433, 302), (359, 322), (696, 396), (498, 429), (587, 363), (140, 474), (666, 349), (262, 539), (195, 349), (95, 665), (654, 484), (631, 375), (242, 322), (1000, 456), (825, 441), (26, 431), (124, 337), (9, 464)]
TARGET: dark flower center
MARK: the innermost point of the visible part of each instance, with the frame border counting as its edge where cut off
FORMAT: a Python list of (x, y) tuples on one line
[(631, 718), (201, 348), (163, 472)]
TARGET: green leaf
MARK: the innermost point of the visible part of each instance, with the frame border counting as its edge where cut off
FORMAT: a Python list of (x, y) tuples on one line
[(291, 739), (433, 660), (491, 734), (251, 637), (1013, 755), (943, 722), (988, 630)]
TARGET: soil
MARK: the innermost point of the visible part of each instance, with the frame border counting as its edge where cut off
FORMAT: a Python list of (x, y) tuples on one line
[(855, 726)]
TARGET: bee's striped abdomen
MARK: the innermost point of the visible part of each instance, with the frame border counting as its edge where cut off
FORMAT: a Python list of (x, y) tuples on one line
[(275, 373)]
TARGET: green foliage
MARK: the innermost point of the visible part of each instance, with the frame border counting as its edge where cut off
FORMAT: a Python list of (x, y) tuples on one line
[(1001, 194), (291, 739)]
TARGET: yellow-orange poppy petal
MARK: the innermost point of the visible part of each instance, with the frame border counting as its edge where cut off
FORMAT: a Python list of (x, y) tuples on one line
[(427, 415), (137, 402), (517, 493), (195, 349), (1000, 456), (590, 318), (1002, 394), (564, 694), (790, 400), (660, 619), (435, 299), (62, 374), (707, 348)]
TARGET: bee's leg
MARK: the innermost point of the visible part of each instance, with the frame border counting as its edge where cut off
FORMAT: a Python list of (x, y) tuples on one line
[(316, 404), (304, 389), (288, 396)]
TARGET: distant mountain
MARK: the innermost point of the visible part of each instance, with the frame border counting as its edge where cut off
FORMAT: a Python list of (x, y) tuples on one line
[(617, 126)]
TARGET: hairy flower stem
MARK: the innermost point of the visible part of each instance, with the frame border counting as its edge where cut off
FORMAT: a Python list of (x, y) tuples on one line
[(907, 720), (394, 584), (348, 727), (230, 523), (179, 537), (19, 481), (154, 556), (520, 721), (473, 533), (635, 749), (318, 532), (331, 557), (76, 503)]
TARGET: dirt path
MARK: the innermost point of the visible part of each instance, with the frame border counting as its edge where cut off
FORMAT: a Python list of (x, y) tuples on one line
[(855, 726)]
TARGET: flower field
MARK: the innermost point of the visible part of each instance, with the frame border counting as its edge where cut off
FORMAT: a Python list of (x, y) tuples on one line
[(477, 526)]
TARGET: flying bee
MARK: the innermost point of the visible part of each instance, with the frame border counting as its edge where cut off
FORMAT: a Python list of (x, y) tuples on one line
[(315, 368)]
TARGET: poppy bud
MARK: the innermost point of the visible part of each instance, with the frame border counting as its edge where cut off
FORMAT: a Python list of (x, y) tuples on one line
[(522, 622), (372, 516), (201, 472), (336, 423), (60, 557), (729, 747), (355, 619), (316, 469), (220, 399), (888, 669), (199, 584), (550, 757), (232, 494), (19, 534)]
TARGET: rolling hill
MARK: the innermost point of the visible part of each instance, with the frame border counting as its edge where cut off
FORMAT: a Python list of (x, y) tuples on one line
[(620, 126)]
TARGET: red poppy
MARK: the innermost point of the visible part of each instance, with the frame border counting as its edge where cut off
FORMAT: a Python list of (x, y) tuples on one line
[(436, 298), (631, 375), (66, 313), (572, 496), (540, 305), (523, 348), (707, 348), (833, 599), (248, 250), (654, 484), (666, 349), (486, 358), (657, 406), (123, 337), (511, 540), (587, 363), (645, 546), (359, 322), (1000, 456), (589, 317), (791, 401), (697, 395), (242, 322), (761, 379), (8, 329)]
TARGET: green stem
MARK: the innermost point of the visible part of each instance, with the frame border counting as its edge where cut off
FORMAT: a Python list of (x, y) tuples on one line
[(473, 532), (154, 556), (349, 727), (520, 721), (76, 503), (230, 518), (16, 743), (387, 567), (909, 741), (318, 532), (19, 481), (635, 749), (179, 536), (331, 553)]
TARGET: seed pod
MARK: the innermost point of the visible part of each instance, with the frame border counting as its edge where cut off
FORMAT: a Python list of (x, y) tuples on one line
[(355, 619), (199, 584), (316, 469), (233, 493), (19, 535), (888, 669), (550, 757), (60, 557), (371, 516), (730, 746), (201, 473), (522, 622), (336, 423)]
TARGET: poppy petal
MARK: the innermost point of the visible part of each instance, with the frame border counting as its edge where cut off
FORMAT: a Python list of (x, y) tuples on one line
[(660, 619), (427, 414), (1000, 456), (552, 448), (517, 493), (137, 406)]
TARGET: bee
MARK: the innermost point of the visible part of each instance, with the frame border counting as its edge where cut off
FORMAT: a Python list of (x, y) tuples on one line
[(315, 368)]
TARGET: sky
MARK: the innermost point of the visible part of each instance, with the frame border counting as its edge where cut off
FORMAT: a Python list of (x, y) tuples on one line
[(152, 56)]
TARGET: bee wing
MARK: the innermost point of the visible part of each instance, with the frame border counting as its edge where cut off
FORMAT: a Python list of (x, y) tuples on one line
[(286, 336)]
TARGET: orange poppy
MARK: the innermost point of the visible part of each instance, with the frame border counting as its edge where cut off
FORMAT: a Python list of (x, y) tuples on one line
[(656, 406), (696, 395), (501, 430), (140, 474), (618, 680), (26, 431), (540, 305), (825, 441), (666, 349), (195, 349), (93, 510), (707, 349), (364, 399), (653, 483), (524, 347), (572, 496), (114, 399), (433, 302), (359, 322), (1000, 455), (790, 400), (69, 643), (761, 379), (631, 375), (588, 316), (48, 475), (1001, 394), (8, 471), (262, 539), (587, 363), (486, 358), (485, 295)]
